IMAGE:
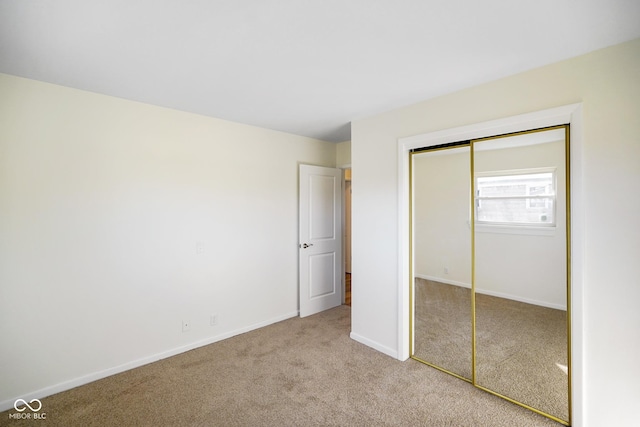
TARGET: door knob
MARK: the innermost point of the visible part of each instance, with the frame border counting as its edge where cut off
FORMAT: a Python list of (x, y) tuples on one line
[(306, 245)]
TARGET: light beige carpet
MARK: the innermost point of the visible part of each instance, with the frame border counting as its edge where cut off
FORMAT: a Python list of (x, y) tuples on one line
[(299, 372), (442, 325), (521, 352)]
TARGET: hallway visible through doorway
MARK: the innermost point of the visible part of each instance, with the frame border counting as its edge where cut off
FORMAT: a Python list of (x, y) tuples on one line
[(347, 289)]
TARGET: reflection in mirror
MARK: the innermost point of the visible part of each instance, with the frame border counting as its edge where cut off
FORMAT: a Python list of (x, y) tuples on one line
[(442, 259), (520, 254)]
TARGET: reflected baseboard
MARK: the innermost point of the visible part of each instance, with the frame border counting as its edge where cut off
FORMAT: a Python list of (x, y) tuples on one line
[(521, 299), (444, 280), (492, 293)]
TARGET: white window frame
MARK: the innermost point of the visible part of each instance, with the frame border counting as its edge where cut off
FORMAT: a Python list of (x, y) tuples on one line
[(517, 227)]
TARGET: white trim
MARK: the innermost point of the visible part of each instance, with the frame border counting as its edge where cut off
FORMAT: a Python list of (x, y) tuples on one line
[(571, 114), (404, 273), (541, 119), (85, 379), (577, 266), (375, 345), (523, 171)]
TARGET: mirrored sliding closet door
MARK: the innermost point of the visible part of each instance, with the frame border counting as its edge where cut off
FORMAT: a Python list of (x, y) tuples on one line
[(491, 283), (442, 258)]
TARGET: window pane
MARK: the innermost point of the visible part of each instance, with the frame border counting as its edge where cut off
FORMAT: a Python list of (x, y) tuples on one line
[(534, 184), (514, 211)]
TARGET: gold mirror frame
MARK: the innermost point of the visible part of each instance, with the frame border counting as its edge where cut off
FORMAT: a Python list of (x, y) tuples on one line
[(567, 198)]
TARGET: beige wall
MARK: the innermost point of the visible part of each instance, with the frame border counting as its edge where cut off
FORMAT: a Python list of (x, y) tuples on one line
[(118, 220), (343, 154), (607, 84)]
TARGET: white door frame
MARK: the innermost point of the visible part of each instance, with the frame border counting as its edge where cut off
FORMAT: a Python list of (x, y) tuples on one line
[(345, 253), (571, 114)]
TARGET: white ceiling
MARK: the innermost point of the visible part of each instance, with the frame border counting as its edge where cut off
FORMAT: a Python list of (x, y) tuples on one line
[(306, 67)]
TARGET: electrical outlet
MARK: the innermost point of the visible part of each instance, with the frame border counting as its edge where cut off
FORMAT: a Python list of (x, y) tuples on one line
[(186, 325), (213, 319), (199, 248), (446, 270)]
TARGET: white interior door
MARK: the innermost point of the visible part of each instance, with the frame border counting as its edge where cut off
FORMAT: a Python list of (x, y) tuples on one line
[(320, 245)]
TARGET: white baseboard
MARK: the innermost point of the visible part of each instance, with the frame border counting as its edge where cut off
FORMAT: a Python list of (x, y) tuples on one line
[(85, 379), (375, 345), (494, 294)]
